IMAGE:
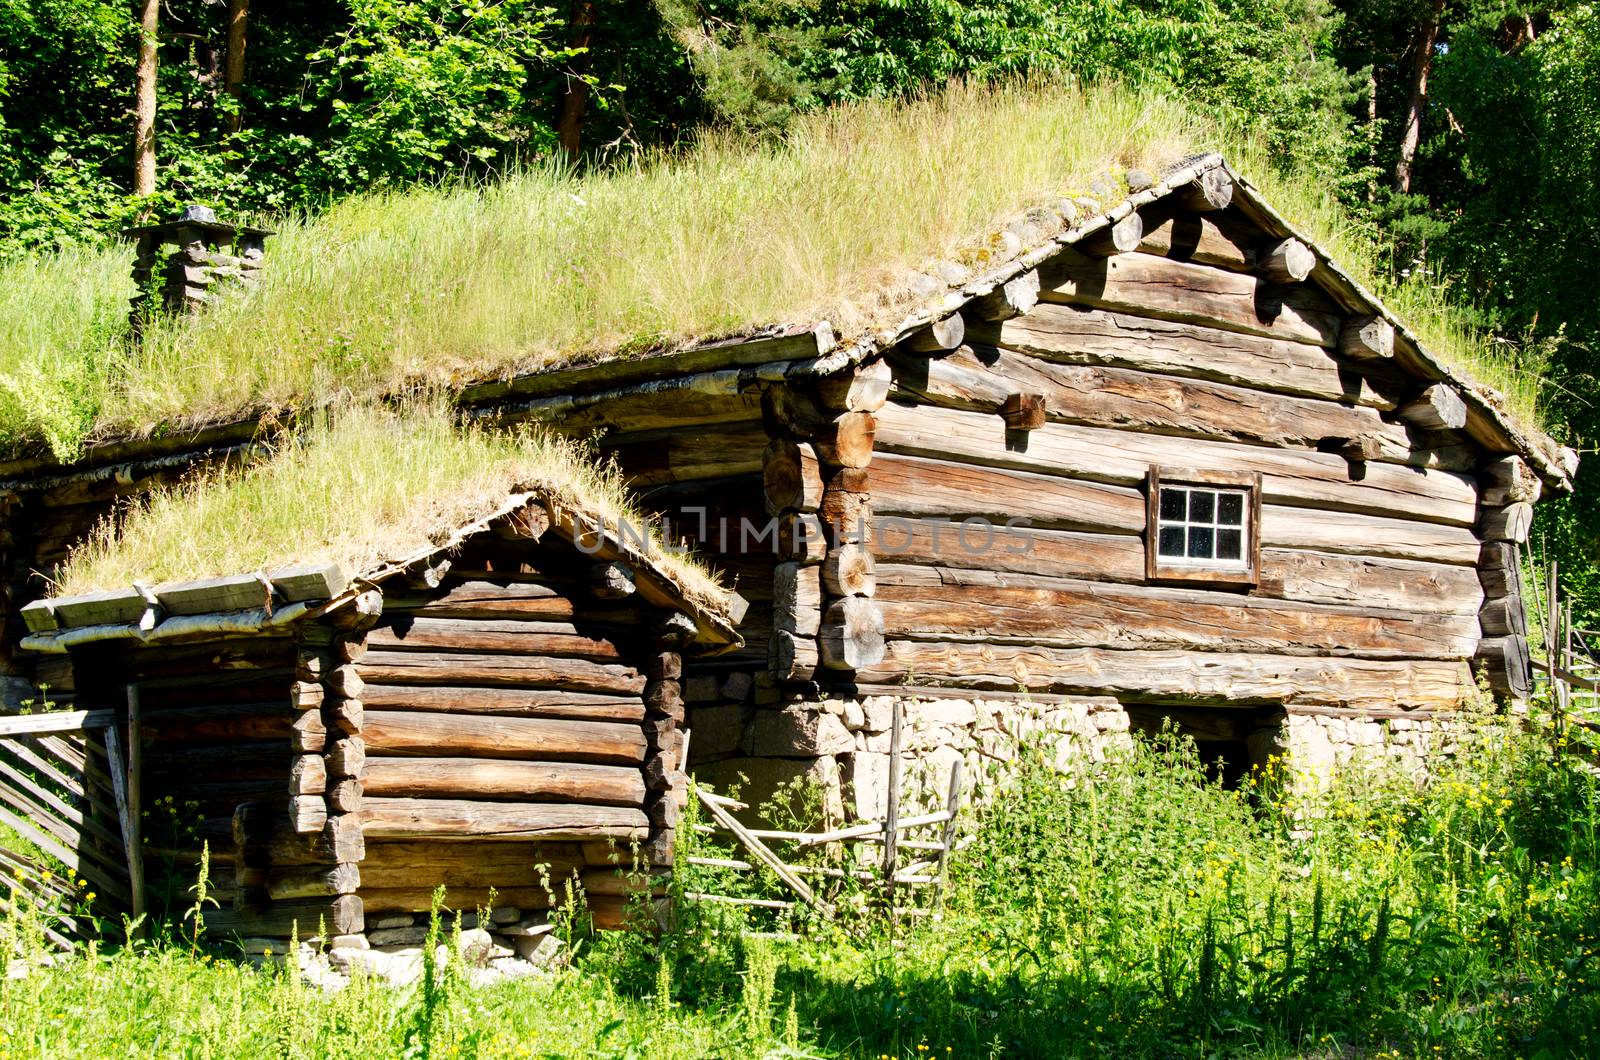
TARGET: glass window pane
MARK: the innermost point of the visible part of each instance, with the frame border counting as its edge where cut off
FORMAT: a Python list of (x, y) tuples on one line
[(1229, 544), (1202, 505), (1200, 542), (1230, 509), (1171, 542), (1172, 504)]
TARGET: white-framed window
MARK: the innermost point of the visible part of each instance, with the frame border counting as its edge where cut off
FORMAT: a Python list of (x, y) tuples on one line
[(1203, 526)]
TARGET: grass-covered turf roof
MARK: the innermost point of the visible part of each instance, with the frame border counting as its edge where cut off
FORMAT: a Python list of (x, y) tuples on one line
[(362, 486), (455, 285)]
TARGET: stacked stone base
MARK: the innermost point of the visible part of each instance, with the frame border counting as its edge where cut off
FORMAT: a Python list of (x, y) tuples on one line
[(840, 747)]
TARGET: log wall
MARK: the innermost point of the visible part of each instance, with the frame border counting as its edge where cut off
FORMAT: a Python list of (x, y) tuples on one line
[(519, 726)]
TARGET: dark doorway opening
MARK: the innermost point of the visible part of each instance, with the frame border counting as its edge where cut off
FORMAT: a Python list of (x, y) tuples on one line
[(1230, 740)]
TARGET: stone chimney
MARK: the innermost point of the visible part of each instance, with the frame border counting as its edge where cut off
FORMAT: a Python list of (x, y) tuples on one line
[(182, 265)]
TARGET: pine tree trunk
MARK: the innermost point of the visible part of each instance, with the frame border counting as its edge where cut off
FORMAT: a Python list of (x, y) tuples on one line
[(144, 100), (233, 73), (1422, 46), (575, 100)]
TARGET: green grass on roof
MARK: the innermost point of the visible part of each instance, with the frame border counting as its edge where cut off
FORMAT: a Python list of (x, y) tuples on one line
[(447, 286), (362, 486)]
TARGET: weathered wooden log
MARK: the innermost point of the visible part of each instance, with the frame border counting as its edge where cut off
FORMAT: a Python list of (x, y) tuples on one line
[(663, 666), (847, 571), (1243, 678), (360, 613), (846, 441), (1289, 261), (1062, 613), (943, 334), (429, 574), (791, 478), (515, 671), (920, 487), (218, 722), (1016, 296), (485, 600), (1220, 240), (788, 412), (1023, 412), (337, 879), (1069, 335), (527, 523), (342, 915), (308, 775), (664, 699), (801, 538), (689, 456), (1124, 458), (1211, 190), (465, 818), (590, 706), (398, 733), (844, 516), (1510, 523), (1177, 290), (491, 636), (1509, 480), (796, 598), (1499, 568), (350, 649), (345, 796), (345, 682), (1504, 661), (425, 864), (460, 899), (340, 840), (1503, 616), (306, 695), (1362, 448), (347, 757), (309, 813), (345, 715), (792, 655), (1120, 237), (1367, 339), (1360, 534), (611, 581), (1438, 407), (488, 778), (851, 636), (308, 734), (861, 389)]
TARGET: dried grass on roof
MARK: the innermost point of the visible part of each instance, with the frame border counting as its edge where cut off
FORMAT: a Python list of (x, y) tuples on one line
[(362, 487)]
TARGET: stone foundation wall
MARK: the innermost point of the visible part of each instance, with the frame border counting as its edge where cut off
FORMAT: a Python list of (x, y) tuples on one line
[(842, 745)]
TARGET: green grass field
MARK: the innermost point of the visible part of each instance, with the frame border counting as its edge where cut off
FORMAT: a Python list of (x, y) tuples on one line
[(1136, 910)]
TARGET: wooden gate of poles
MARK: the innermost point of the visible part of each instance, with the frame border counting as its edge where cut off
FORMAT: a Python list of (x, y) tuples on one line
[(1572, 667), (69, 807), (913, 887)]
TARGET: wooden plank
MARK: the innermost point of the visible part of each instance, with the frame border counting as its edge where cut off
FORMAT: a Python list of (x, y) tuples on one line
[(237, 592), (399, 733), (767, 858), (924, 486), (57, 721), (1129, 399), (1066, 613), (1071, 335), (391, 863), (425, 633), (84, 862), (1124, 458), (500, 895), (512, 702), (1244, 679), (929, 551), (220, 722), (470, 819), (1174, 290), (128, 810), (432, 668), (489, 778), (49, 804)]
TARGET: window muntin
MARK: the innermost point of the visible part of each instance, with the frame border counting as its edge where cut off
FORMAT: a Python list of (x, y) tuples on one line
[(1202, 526)]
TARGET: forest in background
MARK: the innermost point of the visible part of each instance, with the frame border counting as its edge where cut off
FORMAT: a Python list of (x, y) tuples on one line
[(1462, 136)]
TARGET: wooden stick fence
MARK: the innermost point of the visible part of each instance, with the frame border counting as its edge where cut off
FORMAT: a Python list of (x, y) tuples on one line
[(890, 832), (69, 798)]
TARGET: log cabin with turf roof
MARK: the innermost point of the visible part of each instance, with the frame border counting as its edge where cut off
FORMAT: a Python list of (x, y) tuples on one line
[(498, 712), (1143, 458)]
